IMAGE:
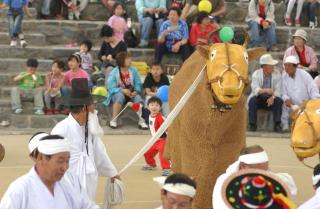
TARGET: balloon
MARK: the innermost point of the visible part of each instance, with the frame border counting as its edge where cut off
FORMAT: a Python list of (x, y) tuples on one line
[(226, 34), (100, 91), (205, 6), (163, 93)]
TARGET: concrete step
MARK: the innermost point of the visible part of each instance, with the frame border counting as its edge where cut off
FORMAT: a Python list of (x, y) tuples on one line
[(32, 38), (33, 11), (16, 65)]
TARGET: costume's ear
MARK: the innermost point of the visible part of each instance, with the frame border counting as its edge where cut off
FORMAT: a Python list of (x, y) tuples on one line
[(203, 50), (256, 53)]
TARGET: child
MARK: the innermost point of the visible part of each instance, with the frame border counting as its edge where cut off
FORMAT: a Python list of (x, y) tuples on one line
[(15, 17), (117, 22), (155, 121), (86, 58), (53, 83), (29, 86)]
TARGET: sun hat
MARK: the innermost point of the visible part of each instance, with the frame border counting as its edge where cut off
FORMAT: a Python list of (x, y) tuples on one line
[(300, 33), (291, 59), (267, 59)]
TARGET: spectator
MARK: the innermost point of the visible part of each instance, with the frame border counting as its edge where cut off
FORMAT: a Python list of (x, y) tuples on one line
[(265, 92), (314, 203), (308, 60), (58, 9), (74, 8), (117, 22), (297, 87), (310, 8), (15, 17), (150, 12), (86, 59), (201, 29), (109, 4), (287, 17), (154, 80), (75, 71), (124, 85), (54, 82), (29, 86), (110, 47), (261, 21), (155, 121), (45, 9), (173, 36)]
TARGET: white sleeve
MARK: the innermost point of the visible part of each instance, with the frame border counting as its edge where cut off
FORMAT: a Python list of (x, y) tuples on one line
[(104, 164), (217, 200), (288, 180), (12, 199)]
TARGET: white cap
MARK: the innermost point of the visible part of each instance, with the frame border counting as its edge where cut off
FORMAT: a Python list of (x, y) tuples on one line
[(291, 59), (34, 141), (267, 59), (301, 33)]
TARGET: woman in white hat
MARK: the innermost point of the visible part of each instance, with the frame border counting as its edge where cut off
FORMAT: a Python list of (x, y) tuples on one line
[(305, 54)]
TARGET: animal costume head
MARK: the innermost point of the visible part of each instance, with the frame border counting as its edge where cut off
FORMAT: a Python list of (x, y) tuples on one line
[(2, 152), (305, 135)]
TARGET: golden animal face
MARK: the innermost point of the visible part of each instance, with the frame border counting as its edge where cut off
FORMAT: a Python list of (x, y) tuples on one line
[(306, 129), (227, 71)]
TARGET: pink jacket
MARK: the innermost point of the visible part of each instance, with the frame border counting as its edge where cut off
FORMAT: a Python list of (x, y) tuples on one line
[(309, 53)]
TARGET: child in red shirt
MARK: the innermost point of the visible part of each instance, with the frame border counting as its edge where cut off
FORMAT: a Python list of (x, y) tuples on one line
[(155, 121)]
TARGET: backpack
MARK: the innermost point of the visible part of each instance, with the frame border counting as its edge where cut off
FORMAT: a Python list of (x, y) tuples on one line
[(130, 39)]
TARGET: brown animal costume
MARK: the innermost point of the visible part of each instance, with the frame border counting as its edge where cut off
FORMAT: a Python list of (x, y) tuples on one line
[(203, 141), (305, 135), (2, 152)]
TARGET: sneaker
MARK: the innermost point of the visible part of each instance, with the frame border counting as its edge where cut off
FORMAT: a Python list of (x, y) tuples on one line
[(39, 112), (113, 124), (13, 43), (312, 25), (298, 23), (50, 112), (287, 21), (143, 44), (277, 128), (70, 16), (23, 43), (142, 124), (4, 123), (285, 128), (253, 127), (18, 111), (165, 172), (148, 168)]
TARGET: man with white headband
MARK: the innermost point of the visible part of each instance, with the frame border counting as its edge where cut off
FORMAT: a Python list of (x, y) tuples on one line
[(178, 191), (314, 202), (44, 186), (250, 157)]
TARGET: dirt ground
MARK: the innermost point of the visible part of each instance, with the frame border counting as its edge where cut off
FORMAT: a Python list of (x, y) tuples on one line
[(141, 191)]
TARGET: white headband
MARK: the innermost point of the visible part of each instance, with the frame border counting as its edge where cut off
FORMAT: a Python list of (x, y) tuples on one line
[(315, 179), (53, 146), (34, 141), (179, 188), (254, 158)]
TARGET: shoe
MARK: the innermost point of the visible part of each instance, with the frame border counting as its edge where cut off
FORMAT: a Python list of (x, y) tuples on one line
[(56, 111), (165, 172), (70, 16), (39, 112), (298, 23), (5, 123), (13, 43), (148, 168), (23, 43), (143, 44), (312, 25), (285, 128), (287, 21), (65, 111), (18, 111), (315, 22), (274, 49), (142, 124), (277, 128), (50, 112), (113, 124), (253, 127)]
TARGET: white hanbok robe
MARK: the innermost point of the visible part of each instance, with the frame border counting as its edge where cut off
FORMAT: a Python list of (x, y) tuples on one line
[(87, 166), (29, 192), (313, 202)]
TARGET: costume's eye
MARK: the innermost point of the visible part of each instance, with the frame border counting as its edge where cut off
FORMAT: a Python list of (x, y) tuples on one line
[(246, 57), (213, 54), (318, 111)]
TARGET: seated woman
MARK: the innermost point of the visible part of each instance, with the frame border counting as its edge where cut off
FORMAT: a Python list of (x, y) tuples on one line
[(305, 54), (124, 85), (173, 36), (110, 47), (201, 29)]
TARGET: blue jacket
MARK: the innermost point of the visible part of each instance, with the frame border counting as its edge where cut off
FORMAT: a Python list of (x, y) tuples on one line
[(16, 4), (114, 78)]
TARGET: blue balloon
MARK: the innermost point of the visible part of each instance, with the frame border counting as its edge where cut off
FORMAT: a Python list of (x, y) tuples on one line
[(163, 93)]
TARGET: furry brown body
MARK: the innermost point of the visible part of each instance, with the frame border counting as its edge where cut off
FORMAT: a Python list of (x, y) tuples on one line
[(202, 141)]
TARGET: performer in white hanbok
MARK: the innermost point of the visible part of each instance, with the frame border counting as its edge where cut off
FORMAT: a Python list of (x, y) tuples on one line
[(250, 157), (88, 154), (44, 186), (177, 191)]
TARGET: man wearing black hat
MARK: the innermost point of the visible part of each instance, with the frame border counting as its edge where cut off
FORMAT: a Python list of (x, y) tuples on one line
[(88, 154)]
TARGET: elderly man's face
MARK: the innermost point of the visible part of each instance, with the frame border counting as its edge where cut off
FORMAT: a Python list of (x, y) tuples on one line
[(175, 201), (290, 69), (268, 69)]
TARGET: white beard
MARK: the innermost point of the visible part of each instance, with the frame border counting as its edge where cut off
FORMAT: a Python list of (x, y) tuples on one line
[(94, 125)]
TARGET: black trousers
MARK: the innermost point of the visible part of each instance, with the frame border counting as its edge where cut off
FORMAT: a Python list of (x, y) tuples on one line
[(260, 102), (161, 49)]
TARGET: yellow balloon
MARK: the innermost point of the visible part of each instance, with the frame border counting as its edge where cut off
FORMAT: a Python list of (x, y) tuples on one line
[(100, 91), (205, 6)]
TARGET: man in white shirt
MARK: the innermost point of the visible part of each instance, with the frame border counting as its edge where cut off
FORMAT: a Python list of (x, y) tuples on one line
[(297, 87), (314, 202), (44, 186), (88, 154), (250, 157), (177, 191)]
